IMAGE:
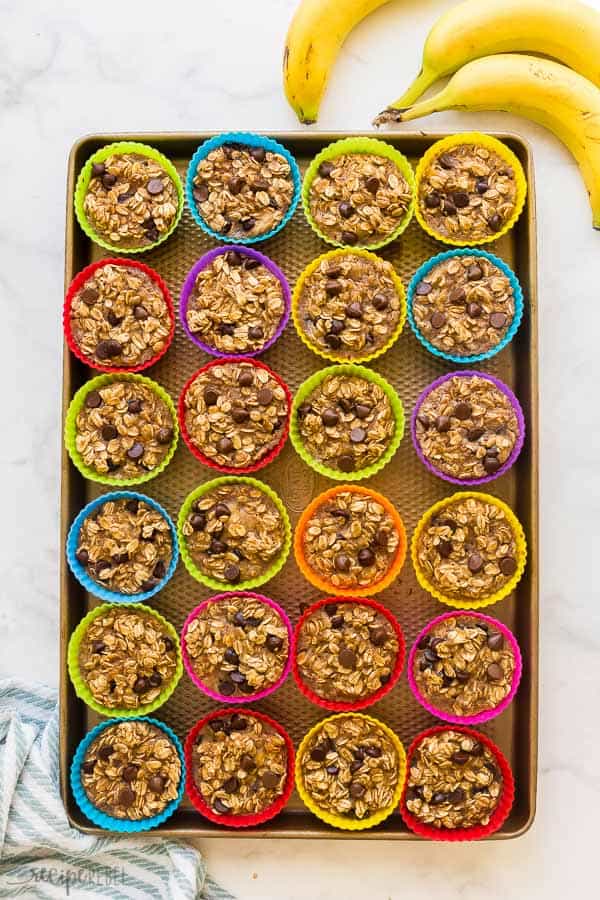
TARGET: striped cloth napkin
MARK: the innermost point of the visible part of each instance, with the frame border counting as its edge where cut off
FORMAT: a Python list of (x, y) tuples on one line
[(41, 855)]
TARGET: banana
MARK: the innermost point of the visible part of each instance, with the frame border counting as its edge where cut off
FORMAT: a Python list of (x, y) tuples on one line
[(539, 89), (315, 36), (566, 30)]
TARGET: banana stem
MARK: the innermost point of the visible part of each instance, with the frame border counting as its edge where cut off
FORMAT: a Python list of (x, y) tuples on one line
[(424, 108), (424, 80)]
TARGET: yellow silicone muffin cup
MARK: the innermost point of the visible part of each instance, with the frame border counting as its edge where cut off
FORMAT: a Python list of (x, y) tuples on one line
[(84, 180), (71, 431), (329, 354), (81, 688), (482, 140), (304, 391), (343, 821), (251, 583), (360, 145), (521, 554)]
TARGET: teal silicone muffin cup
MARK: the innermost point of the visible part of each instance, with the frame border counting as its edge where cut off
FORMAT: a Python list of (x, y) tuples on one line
[(304, 391), (251, 583), (84, 180), (251, 140), (360, 145), (81, 573), (111, 823), (421, 275), (71, 432)]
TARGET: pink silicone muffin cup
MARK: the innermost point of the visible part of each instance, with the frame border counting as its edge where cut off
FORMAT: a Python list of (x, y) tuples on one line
[(488, 713), (470, 482), (206, 260), (222, 698)]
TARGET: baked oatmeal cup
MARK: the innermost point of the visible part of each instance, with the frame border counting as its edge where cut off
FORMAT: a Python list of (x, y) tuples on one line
[(350, 540), (470, 189), (234, 302), (128, 197), (469, 550), (118, 316), (234, 533), (359, 192), (349, 306), (236, 647), (240, 767), (121, 429)]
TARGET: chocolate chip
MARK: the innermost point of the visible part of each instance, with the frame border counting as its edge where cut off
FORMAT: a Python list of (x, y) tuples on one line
[(348, 237), (217, 547), (498, 320), (198, 521), (258, 153), (232, 574), (475, 433), (337, 326), (447, 161), (235, 185), (89, 296), (136, 451), (125, 196), (491, 464), (372, 184), (358, 435), (347, 658), (423, 288), (438, 320), (460, 757), (361, 410), (109, 180), (165, 435), (140, 685), (438, 797), (224, 445), (432, 200), (463, 410), (88, 766), (247, 764), (98, 169), (134, 406), (333, 288), (332, 769), (211, 395), (265, 396), (107, 349), (120, 558), (248, 224), (105, 752), (366, 557), (231, 785), (129, 773), (329, 417), (140, 312), (149, 584), (325, 169), (456, 796), (319, 753), (108, 432), (226, 687), (160, 570), (378, 635), (373, 750), (457, 296), (482, 186), (356, 790), (463, 677), (220, 807), (448, 208), (333, 340), (380, 302), (508, 565), (342, 562), (98, 647), (442, 423), (270, 780), (354, 311), (474, 272), (201, 193), (461, 199), (346, 209), (255, 332), (495, 222), (157, 784), (169, 645), (82, 556), (337, 622), (473, 310), (227, 226), (126, 797), (260, 184), (273, 643), (444, 548), (475, 563), (495, 672), (477, 749)]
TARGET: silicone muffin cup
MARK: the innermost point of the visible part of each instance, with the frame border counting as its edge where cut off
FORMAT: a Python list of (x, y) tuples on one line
[(78, 283), (111, 823), (360, 145), (206, 260), (81, 573), (252, 140), (344, 822), (258, 695), (487, 714), (329, 354), (264, 460), (83, 691), (326, 586), (421, 275), (512, 457), (475, 832), (250, 583), (521, 554), (71, 432), (481, 140), (304, 391), (241, 821), (364, 702), (84, 180)]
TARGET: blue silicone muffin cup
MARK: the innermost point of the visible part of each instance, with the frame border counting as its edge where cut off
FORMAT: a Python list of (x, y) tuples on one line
[(110, 823), (80, 572), (253, 140), (421, 274)]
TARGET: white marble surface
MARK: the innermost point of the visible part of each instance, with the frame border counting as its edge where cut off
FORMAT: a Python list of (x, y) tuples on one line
[(68, 68)]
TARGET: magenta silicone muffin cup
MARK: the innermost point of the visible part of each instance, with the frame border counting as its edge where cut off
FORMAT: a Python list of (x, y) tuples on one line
[(470, 482), (206, 260), (487, 714), (215, 695)]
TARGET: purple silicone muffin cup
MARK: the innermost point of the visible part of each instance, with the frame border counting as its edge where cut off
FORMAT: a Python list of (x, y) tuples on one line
[(206, 260), (488, 713), (518, 443), (222, 698)]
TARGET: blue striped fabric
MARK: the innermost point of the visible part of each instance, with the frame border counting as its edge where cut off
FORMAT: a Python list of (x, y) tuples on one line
[(41, 855)]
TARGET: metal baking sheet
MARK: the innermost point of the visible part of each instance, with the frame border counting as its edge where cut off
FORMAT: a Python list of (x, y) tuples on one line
[(405, 481)]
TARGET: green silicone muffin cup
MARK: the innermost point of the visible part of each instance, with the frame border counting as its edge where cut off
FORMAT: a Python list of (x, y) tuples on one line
[(190, 565), (306, 389), (84, 180), (81, 688), (360, 145), (70, 429)]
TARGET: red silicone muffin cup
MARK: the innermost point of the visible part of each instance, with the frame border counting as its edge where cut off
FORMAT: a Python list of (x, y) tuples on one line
[(80, 280), (364, 702), (217, 598), (264, 460), (475, 832), (194, 794), (487, 714)]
